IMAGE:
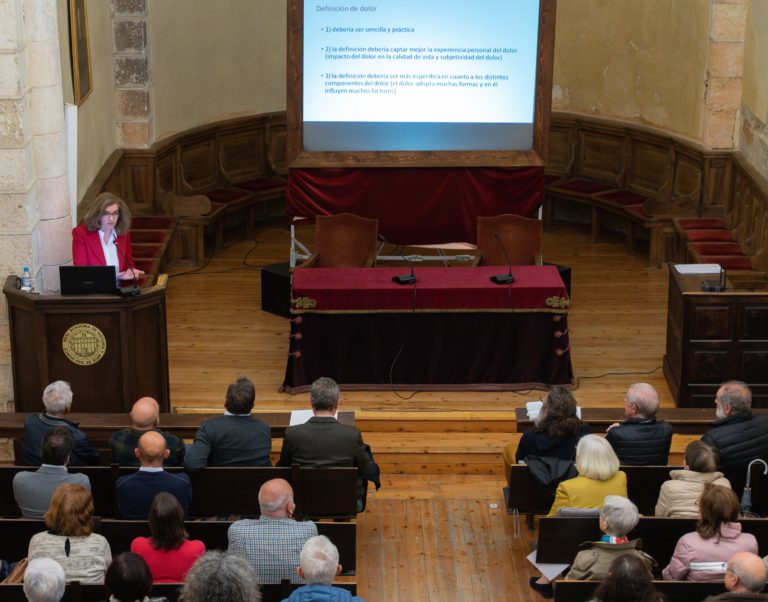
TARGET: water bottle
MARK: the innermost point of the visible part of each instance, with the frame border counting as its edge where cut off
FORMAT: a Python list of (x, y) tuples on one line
[(26, 280)]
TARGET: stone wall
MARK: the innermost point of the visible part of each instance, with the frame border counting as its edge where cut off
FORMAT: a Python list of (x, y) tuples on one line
[(753, 133)]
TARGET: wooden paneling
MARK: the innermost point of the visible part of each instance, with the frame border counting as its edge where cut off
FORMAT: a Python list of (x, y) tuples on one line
[(602, 156), (197, 164), (166, 171), (650, 167), (562, 146), (242, 152), (277, 144), (138, 180)]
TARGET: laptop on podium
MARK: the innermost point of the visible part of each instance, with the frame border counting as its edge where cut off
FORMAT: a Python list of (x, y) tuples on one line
[(88, 280)]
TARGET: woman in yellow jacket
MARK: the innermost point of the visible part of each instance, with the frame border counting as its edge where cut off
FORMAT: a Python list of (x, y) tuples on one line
[(599, 475)]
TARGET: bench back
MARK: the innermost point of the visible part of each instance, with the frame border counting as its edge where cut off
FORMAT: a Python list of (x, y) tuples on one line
[(223, 491), (679, 591), (559, 538), (643, 484), (16, 533)]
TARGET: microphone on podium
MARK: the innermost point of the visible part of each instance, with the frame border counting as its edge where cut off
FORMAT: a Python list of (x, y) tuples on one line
[(133, 290), (503, 278), (402, 278)]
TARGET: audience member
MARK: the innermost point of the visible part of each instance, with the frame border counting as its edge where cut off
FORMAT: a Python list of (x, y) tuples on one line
[(556, 430), (128, 579), (679, 497), (323, 440), (744, 579), (33, 490), (145, 416), (599, 476), (44, 581), (641, 439), (628, 580), (168, 552), (221, 577), (739, 435), (272, 544), (57, 399), (318, 565), (70, 540), (618, 516), (701, 555), (136, 491), (234, 439)]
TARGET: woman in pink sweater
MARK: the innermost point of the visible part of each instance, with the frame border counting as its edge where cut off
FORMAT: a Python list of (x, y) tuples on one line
[(702, 555)]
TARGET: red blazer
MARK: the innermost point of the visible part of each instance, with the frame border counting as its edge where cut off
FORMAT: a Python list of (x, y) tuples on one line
[(86, 248)]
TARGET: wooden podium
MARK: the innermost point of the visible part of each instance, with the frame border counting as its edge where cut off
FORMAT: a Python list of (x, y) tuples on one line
[(714, 337), (112, 350)]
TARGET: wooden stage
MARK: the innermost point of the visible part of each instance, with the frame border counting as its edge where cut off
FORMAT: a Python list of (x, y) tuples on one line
[(437, 530)]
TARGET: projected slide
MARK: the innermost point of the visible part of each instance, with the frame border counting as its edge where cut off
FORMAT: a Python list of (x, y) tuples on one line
[(389, 75)]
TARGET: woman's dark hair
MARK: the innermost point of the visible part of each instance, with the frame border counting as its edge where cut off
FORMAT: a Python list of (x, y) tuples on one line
[(717, 505), (166, 522), (629, 580), (128, 577), (560, 418), (97, 207)]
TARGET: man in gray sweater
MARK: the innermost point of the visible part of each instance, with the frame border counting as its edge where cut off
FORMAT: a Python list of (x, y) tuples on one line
[(33, 490)]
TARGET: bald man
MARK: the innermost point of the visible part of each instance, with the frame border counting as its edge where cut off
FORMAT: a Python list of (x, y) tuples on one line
[(744, 578), (272, 544), (136, 491), (641, 440), (145, 416)]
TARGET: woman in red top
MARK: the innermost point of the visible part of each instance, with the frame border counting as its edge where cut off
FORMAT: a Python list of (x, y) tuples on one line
[(168, 553), (104, 238)]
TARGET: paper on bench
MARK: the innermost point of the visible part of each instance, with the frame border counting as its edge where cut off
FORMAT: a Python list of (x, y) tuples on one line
[(698, 268), (301, 416), (533, 408), (550, 571)]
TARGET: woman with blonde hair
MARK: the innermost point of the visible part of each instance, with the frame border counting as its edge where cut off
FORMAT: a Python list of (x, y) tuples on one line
[(679, 497), (103, 238), (70, 541), (599, 476)]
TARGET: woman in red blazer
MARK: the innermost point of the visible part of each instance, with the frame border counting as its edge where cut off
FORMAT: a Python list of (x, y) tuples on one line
[(104, 238)]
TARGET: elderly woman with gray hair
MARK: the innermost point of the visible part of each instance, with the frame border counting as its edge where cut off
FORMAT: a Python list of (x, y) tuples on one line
[(618, 517)]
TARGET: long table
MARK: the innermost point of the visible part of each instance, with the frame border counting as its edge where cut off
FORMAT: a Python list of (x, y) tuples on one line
[(453, 329)]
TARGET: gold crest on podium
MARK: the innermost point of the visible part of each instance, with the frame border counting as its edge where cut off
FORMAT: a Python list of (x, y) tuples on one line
[(84, 344)]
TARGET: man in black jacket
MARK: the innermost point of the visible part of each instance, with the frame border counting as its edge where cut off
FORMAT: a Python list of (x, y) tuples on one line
[(641, 439), (739, 435)]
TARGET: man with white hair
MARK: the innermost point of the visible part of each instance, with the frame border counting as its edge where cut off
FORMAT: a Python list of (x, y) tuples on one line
[(57, 399), (641, 440), (272, 544), (318, 565), (739, 435), (44, 581), (744, 578)]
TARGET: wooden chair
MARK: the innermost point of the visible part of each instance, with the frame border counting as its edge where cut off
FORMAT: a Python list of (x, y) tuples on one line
[(519, 236), (344, 241)]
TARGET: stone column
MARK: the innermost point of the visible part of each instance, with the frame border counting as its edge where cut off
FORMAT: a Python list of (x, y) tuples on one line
[(725, 66), (132, 83), (34, 207)]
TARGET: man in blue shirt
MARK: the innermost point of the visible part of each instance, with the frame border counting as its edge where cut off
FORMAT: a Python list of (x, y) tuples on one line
[(136, 491)]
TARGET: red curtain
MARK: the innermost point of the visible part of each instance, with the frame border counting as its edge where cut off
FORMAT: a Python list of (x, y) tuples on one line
[(417, 205)]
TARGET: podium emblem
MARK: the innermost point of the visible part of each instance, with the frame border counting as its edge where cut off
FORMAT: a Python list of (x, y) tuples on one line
[(84, 344)]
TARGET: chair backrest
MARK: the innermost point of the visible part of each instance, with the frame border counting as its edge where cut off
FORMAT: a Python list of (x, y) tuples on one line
[(520, 236), (345, 241)]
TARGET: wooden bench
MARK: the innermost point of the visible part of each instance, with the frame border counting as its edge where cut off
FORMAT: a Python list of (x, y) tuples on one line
[(559, 538), (223, 491), (676, 591), (99, 427), (639, 176), (684, 421), (89, 592), (523, 495), (16, 533)]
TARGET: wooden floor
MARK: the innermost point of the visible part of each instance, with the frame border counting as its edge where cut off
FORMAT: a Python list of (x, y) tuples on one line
[(437, 529)]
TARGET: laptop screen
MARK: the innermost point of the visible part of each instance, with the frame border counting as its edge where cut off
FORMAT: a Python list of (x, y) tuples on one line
[(88, 279)]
